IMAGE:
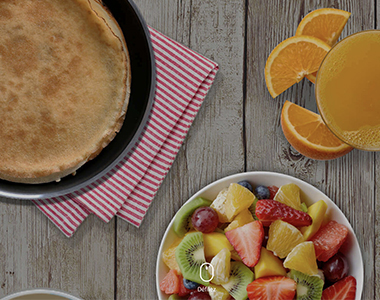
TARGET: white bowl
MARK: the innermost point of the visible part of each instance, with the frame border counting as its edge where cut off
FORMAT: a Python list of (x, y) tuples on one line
[(309, 194), (40, 294)]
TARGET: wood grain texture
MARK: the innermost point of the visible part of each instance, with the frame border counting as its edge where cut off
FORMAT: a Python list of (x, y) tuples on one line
[(350, 180), (376, 190), (214, 145), (237, 129), (35, 254)]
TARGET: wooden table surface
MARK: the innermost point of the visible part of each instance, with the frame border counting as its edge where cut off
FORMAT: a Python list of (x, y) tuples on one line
[(237, 129)]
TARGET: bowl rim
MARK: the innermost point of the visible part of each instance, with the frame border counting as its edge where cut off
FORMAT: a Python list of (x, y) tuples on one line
[(243, 176), (39, 291), (25, 195)]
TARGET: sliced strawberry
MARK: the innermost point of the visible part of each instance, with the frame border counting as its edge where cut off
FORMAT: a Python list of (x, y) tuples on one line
[(272, 288), (183, 291), (170, 284), (328, 240), (344, 289), (247, 241), (273, 191), (269, 211)]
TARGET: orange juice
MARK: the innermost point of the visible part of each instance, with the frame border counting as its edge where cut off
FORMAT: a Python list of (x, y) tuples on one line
[(348, 90)]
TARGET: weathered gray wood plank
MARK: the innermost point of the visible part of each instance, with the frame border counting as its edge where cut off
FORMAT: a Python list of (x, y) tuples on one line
[(349, 181), (376, 212), (214, 146), (35, 254)]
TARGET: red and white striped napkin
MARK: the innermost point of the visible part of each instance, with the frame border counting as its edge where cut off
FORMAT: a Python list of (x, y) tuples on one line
[(183, 80)]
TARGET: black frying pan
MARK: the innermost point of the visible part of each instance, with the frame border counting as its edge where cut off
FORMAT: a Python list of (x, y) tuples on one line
[(142, 92)]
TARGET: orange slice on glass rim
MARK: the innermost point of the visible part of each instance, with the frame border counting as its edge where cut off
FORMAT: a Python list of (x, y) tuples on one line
[(308, 134), (325, 24), (291, 60)]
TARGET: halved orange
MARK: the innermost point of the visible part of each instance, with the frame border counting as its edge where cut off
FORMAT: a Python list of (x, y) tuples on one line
[(326, 24), (291, 60), (307, 133)]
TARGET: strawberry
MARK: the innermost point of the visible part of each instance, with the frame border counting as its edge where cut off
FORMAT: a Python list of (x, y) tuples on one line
[(271, 210), (328, 240), (272, 288), (344, 289), (247, 241), (183, 291), (171, 283), (273, 191)]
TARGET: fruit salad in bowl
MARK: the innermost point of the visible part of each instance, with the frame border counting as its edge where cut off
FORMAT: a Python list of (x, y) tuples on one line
[(259, 235)]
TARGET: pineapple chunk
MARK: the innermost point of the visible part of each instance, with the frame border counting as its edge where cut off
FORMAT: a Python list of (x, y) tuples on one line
[(317, 212), (217, 292), (326, 219), (219, 205), (214, 242), (235, 255), (222, 266), (168, 256), (241, 219), (269, 265), (238, 199)]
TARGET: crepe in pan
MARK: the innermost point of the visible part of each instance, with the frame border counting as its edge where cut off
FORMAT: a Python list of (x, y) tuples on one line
[(64, 87)]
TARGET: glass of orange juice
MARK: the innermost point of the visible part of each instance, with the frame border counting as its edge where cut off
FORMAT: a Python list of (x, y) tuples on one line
[(348, 90)]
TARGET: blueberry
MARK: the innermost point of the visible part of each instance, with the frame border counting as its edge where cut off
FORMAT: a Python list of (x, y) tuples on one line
[(246, 184), (191, 285), (262, 192)]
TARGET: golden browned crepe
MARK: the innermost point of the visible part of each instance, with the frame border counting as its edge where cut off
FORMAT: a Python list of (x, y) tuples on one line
[(64, 87)]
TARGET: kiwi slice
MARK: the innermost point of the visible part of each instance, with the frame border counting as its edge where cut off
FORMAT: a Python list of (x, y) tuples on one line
[(303, 207), (190, 256), (308, 287), (240, 277), (182, 221), (252, 208)]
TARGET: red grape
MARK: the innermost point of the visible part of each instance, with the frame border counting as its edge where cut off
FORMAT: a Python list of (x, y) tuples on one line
[(335, 268), (266, 236), (205, 219), (199, 296)]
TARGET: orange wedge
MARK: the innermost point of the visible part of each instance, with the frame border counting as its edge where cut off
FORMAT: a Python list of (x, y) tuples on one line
[(312, 77), (302, 258), (325, 24), (282, 238), (307, 133), (291, 60)]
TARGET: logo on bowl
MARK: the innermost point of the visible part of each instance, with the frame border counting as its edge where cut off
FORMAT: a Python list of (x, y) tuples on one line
[(209, 269)]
